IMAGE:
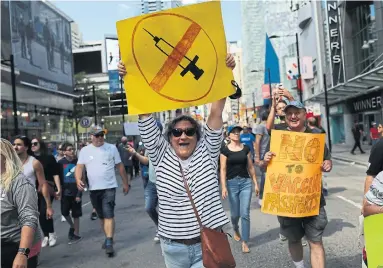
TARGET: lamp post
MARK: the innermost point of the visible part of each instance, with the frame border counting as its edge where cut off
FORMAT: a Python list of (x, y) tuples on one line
[(94, 104), (14, 100), (298, 62)]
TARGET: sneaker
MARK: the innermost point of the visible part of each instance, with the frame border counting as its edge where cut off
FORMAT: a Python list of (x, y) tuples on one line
[(109, 246), (70, 233), (63, 219), (93, 216), (304, 243), (260, 202), (75, 239), (52, 239), (45, 242), (156, 238), (85, 189), (282, 238), (104, 245)]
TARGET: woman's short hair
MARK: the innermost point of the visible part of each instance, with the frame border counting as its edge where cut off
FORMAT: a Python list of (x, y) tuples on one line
[(180, 118)]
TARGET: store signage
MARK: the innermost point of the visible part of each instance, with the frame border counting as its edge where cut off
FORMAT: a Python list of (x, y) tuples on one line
[(369, 102), (333, 20)]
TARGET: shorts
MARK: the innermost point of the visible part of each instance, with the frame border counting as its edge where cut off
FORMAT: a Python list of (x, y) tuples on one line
[(129, 170), (294, 229), (103, 201), (68, 203)]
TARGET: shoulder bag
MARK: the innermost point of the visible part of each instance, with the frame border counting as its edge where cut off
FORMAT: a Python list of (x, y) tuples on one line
[(216, 251)]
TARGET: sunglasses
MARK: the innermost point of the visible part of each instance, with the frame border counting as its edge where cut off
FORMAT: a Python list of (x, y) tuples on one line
[(69, 149), (35, 143), (99, 135), (177, 132)]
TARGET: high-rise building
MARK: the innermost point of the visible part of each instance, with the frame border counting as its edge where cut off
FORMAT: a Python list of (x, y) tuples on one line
[(76, 35), (259, 18), (149, 6)]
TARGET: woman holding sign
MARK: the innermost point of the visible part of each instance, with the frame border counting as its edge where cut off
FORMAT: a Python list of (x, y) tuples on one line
[(236, 165), (185, 155)]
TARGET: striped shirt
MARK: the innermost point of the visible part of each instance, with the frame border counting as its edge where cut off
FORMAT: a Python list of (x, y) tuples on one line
[(176, 216)]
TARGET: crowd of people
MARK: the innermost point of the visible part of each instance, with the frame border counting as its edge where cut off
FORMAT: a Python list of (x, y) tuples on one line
[(183, 153)]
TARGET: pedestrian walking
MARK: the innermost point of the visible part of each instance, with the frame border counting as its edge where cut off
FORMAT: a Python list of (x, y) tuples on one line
[(237, 178), (185, 155), (248, 139), (357, 133), (71, 196), (126, 157), (52, 176), (34, 172), (19, 212), (294, 229), (150, 190), (100, 160), (374, 134), (262, 145)]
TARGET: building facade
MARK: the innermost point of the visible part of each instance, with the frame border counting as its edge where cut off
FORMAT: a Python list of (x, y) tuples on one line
[(42, 51), (349, 52), (150, 6), (259, 18), (76, 35)]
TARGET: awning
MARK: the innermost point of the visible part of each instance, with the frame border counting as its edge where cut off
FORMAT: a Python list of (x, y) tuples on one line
[(357, 86)]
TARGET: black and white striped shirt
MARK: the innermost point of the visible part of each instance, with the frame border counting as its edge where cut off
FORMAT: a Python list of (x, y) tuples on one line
[(176, 216)]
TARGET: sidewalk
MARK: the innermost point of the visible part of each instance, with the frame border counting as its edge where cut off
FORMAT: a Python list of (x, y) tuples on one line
[(341, 152)]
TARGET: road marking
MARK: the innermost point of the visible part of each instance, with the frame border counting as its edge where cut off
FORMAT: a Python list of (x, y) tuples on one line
[(350, 201), (87, 203), (175, 57)]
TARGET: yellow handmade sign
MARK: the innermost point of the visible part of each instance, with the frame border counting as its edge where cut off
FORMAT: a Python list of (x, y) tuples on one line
[(175, 58), (373, 235), (294, 176)]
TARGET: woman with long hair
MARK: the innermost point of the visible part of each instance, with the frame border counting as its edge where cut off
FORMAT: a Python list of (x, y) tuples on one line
[(237, 178), (20, 232), (52, 176)]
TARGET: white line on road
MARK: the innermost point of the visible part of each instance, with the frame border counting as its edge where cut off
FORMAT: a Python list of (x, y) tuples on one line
[(87, 203), (350, 201)]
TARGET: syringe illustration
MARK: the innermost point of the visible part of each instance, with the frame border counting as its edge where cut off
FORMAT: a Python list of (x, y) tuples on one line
[(190, 64)]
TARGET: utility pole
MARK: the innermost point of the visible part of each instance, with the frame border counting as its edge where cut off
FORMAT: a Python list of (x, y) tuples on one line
[(14, 100), (327, 113), (94, 105), (299, 84)]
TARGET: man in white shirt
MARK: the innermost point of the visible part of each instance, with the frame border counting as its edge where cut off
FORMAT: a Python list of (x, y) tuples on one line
[(100, 159)]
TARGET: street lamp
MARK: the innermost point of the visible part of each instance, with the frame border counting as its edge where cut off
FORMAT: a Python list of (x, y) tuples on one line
[(14, 101), (269, 75), (298, 61)]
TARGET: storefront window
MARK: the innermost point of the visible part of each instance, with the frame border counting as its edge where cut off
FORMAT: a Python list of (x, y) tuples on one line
[(52, 125)]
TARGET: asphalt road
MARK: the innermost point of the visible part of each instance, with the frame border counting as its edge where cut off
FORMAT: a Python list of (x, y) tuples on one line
[(134, 232)]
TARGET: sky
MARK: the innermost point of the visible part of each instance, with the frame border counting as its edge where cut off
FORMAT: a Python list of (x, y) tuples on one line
[(98, 18)]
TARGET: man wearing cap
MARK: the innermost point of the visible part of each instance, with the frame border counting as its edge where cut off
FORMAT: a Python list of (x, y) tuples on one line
[(294, 229), (100, 159)]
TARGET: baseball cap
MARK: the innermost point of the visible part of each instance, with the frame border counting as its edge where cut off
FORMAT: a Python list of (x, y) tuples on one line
[(96, 130), (294, 103), (231, 128)]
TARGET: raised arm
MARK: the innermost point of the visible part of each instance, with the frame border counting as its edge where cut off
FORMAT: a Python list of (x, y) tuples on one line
[(214, 120)]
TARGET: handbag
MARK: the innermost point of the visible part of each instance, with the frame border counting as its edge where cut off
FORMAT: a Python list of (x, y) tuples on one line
[(216, 251)]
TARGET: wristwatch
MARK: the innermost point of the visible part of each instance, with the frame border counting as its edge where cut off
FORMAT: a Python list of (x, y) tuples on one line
[(24, 251)]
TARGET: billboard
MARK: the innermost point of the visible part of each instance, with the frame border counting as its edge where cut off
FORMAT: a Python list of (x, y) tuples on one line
[(41, 44), (6, 46), (112, 53)]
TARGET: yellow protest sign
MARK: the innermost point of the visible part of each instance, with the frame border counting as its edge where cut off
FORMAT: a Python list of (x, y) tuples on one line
[(373, 235), (294, 176), (175, 58)]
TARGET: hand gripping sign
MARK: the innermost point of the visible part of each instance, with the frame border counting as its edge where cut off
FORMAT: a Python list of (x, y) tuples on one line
[(175, 58), (294, 177)]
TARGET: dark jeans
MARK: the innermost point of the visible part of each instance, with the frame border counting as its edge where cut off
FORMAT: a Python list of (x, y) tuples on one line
[(357, 144), (151, 200), (8, 254), (46, 224)]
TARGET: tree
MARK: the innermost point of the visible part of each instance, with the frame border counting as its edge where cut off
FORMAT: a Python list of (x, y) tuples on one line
[(83, 103)]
